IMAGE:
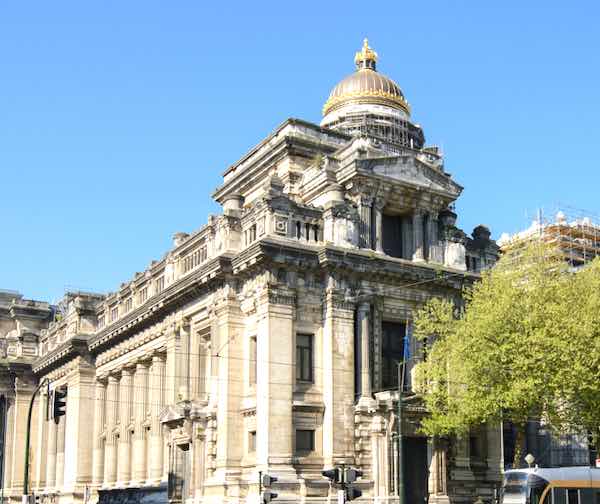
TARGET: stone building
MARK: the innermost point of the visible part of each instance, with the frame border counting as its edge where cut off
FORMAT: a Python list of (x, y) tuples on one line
[(267, 340)]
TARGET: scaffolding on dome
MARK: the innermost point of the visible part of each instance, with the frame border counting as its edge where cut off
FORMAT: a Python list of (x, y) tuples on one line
[(575, 234)]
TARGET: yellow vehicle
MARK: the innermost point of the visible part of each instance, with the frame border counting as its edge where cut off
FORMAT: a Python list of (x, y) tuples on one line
[(565, 485)]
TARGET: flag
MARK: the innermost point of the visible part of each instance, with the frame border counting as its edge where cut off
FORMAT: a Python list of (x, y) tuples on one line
[(406, 350)]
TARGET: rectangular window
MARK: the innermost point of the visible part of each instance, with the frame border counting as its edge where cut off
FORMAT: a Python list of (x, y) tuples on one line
[(474, 447), (114, 313), (572, 495), (128, 305), (159, 284), (304, 357), (251, 441), (393, 234), (101, 321), (392, 352), (305, 441), (143, 295), (253, 359)]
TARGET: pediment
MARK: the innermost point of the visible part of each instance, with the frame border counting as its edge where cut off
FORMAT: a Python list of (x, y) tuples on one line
[(413, 172)]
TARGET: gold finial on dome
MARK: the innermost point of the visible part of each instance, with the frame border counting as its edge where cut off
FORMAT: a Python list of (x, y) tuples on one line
[(366, 58)]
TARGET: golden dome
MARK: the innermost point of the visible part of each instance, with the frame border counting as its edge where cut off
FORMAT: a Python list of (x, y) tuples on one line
[(366, 85)]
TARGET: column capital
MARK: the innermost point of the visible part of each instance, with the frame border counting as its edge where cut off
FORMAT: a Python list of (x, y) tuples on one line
[(379, 202), (364, 305), (158, 357)]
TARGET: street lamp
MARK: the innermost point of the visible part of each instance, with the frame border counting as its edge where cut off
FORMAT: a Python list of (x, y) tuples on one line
[(530, 459)]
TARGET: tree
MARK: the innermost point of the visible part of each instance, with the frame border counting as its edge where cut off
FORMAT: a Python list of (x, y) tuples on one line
[(515, 347)]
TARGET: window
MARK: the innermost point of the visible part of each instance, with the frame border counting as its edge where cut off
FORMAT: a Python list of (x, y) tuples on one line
[(101, 321), (572, 496), (114, 313), (392, 352), (304, 357), (251, 441), (298, 230), (474, 447), (394, 231), (128, 304), (305, 441), (143, 295), (159, 284), (253, 357)]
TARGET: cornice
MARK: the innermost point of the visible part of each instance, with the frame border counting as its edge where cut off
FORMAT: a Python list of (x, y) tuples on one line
[(76, 346), (176, 295)]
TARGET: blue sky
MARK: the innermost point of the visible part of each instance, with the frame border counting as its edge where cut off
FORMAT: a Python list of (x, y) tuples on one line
[(118, 118)]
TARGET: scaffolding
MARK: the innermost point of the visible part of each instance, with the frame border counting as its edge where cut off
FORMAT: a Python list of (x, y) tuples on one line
[(574, 233)]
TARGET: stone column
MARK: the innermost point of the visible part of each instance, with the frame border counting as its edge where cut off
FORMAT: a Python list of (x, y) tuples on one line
[(462, 465), (60, 450), (364, 319), (495, 458), (40, 448), (417, 225), (438, 472), (125, 414), (378, 210), (98, 442), (338, 375), (365, 221), (433, 239), (110, 448), (51, 454), (24, 387), (140, 406), (157, 386)]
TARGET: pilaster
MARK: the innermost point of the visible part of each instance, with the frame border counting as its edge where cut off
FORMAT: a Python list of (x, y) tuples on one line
[(140, 406), (125, 417), (24, 387), (110, 450), (157, 399), (98, 442), (228, 352), (378, 212), (364, 327), (51, 454), (79, 424), (338, 379), (274, 383)]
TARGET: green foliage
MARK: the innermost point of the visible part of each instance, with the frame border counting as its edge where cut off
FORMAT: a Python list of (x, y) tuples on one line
[(523, 342)]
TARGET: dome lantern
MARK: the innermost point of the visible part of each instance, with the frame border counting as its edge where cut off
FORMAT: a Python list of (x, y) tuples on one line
[(366, 58)]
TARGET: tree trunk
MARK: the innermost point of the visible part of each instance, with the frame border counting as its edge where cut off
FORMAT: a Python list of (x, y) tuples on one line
[(519, 445)]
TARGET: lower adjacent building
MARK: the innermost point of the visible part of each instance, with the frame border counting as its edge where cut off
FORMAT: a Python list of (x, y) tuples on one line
[(266, 341)]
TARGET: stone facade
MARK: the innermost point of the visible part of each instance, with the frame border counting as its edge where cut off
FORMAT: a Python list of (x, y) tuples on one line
[(264, 341)]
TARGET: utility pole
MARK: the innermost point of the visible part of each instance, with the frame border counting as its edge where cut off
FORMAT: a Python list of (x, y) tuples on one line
[(399, 426), (27, 437)]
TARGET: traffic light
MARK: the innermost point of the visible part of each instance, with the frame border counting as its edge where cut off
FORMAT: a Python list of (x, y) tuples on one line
[(352, 493), (336, 475), (58, 403), (267, 495), (350, 476)]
